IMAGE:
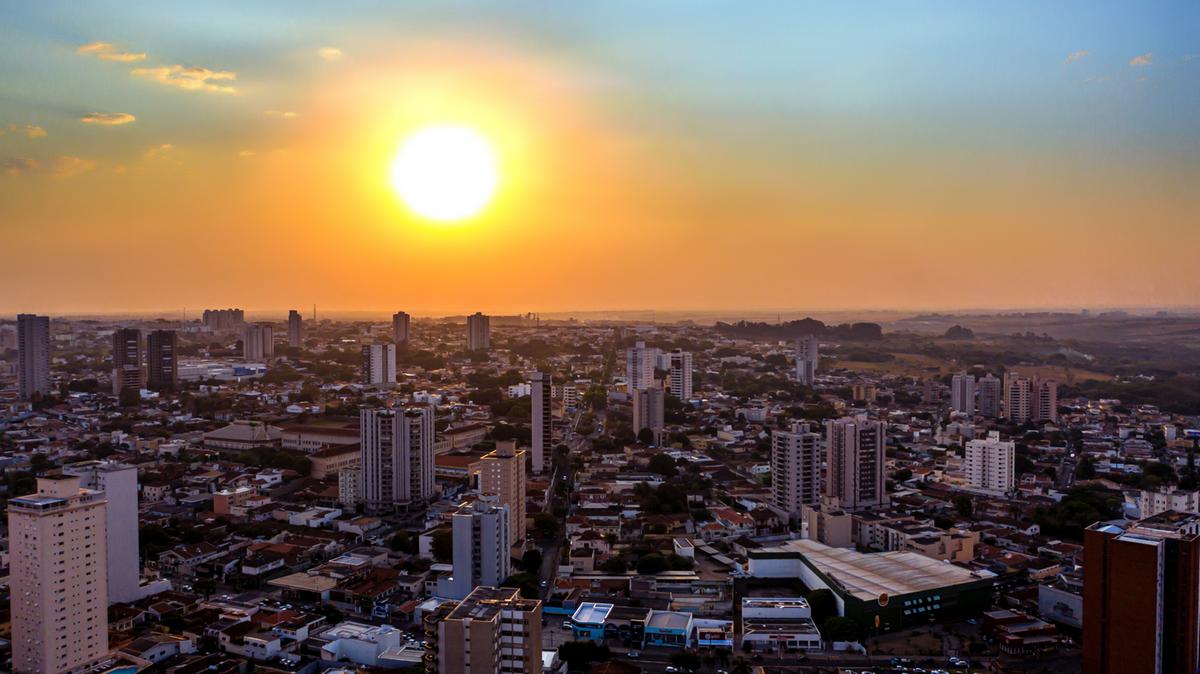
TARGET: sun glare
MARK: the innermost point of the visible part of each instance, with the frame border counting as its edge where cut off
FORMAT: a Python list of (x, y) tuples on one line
[(445, 172)]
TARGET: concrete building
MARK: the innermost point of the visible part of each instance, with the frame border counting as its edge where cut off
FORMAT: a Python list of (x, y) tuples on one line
[(401, 325), (378, 365), (770, 622), (58, 577), (854, 456), (991, 464), (649, 409), (127, 360), (1018, 398), (33, 356), (491, 631), (397, 456), (991, 396), (681, 374), (1044, 401), (795, 469), (162, 364), (223, 319), (258, 342), (479, 332), (119, 485), (640, 361), (295, 335), (1151, 503), (962, 393), (502, 476), (808, 355), (541, 394), (482, 555), (1141, 596)]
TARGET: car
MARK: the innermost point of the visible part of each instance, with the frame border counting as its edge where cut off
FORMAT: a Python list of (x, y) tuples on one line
[(972, 621), (566, 624), (633, 654), (543, 583), (671, 668)]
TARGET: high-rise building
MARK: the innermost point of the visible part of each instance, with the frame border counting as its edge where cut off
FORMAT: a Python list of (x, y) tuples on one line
[(33, 355), (681, 374), (795, 469), (991, 464), (479, 332), (1044, 401), (807, 357), (1018, 398), (258, 342), (295, 329), (991, 396), (962, 393), (854, 458), (119, 484), (482, 555), (502, 476), (58, 577), (127, 360), (1141, 596), (396, 460), (491, 631), (162, 366), (649, 409), (378, 364), (401, 323), (640, 361), (223, 319), (540, 392)]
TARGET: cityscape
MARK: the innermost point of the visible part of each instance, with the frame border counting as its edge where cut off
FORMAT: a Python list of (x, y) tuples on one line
[(599, 338)]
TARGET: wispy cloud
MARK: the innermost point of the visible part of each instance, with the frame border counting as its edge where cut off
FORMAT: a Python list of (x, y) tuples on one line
[(108, 118), (158, 151), (15, 166), (283, 114), (107, 51), (191, 78), (27, 130), (1075, 56), (1143, 60), (62, 167), (67, 167), (247, 153), (331, 53)]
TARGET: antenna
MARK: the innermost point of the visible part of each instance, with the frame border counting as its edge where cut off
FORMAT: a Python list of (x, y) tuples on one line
[(314, 312)]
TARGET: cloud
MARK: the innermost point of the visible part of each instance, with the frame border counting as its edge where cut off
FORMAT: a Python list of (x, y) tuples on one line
[(247, 153), (191, 78), (67, 167), (1075, 56), (27, 130), (331, 53), (1143, 60), (107, 118), (107, 51), (158, 151), (15, 166), (284, 114)]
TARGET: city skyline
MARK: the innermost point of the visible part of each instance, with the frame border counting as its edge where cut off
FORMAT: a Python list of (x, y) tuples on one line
[(928, 157)]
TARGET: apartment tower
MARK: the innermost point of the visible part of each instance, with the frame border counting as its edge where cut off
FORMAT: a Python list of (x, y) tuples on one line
[(502, 477), (493, 630), (540, 392), (295, 333), (795, 469), (33, 356), (401, 324), (479, 332), (396, 460), (162, 366), (808, 355), (854, 456), (378, 365)]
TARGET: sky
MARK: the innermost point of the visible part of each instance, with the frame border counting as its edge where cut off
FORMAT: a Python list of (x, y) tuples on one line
[(671, 155)]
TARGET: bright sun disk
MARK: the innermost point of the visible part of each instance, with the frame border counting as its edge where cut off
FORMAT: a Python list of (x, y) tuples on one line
[(445, 172)]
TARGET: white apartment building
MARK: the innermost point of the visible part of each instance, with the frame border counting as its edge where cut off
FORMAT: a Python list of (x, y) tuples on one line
[(119, 483), (1151, 503), (795, 469), (962, 393), (807, 357), (1018, 397), (640, 361), (681, 374), (258, 342), (396, 464), (378, 365), (58, 577), (991, 464), (991, 396), (481, 550), (541, 394)]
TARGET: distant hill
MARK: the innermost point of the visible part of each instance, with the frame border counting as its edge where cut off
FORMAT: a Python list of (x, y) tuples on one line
[(863, 332)]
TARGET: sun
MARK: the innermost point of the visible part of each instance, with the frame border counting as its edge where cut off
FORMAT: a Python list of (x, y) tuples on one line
[(445, 172)]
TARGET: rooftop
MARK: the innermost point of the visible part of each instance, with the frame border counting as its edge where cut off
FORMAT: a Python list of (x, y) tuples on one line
[(590, 613)]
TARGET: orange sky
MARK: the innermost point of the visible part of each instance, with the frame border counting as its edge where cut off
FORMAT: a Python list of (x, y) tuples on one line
[(619, 189)]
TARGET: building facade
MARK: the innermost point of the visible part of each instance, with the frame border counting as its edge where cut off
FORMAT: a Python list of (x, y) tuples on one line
[(481, 552), (401, 324), (808, 356), (502, 477), (795, 469), (962, 393), (991, 464), (854, 456), (33, 356), (542, 441), (396, 465), (378, 365), (119, 485), (640, 361), (295, 334), (479, 332), (491, 631), (649, 409), (162, 364), (681, 374), (258, 342)]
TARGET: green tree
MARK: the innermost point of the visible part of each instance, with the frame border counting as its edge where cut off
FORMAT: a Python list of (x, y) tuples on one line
[(579, 654), (963, 505), (688, 661), (531, 561), (545, 524), (651, 564), (614, 565), (443, 545), (664, 465), (823, 605), (646, 437)]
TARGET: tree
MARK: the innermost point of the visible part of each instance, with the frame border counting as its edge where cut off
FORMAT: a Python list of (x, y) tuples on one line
[(651, 564), (663, 464), (646, 437), (546, 524), (129, 397), (688, 661), (531, 561), (1086, 469), (579, 654), (741, 666), (823, 605), (526, 582), (836, 628), (614, 565), (963, 505), (443, 545)]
